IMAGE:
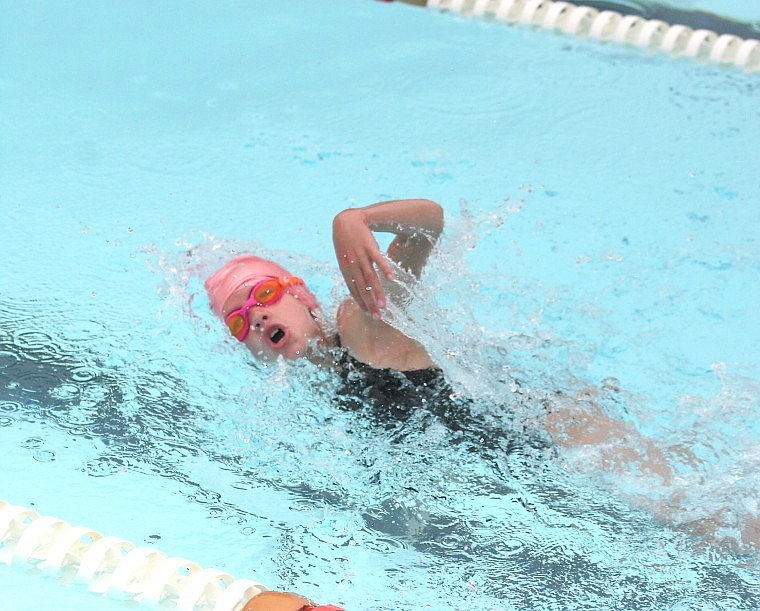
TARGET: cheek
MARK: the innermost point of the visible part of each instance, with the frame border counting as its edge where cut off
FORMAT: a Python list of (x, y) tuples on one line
[(297, 348), (259, 348)]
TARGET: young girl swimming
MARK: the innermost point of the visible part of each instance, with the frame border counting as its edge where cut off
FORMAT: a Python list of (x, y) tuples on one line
[(274, 314)]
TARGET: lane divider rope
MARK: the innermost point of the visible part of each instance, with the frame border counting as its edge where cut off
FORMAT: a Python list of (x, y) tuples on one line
[(610, 26), (114, 567)]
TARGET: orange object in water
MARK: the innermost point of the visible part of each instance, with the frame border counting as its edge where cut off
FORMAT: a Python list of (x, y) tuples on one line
[(284, 601)]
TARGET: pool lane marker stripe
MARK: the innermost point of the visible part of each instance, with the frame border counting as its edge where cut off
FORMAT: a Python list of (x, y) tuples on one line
[(677, 40), (115, 567)]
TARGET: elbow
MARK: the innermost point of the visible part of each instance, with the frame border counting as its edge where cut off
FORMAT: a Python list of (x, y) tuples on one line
[(436, 216)]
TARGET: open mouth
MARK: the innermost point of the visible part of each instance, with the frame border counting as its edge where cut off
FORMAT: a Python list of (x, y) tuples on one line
[(276, 336)]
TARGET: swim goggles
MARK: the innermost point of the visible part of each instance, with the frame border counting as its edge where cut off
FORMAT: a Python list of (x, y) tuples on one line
[(264, 293)]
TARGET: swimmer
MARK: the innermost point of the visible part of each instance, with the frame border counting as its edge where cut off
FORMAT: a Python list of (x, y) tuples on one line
[(272, 312)]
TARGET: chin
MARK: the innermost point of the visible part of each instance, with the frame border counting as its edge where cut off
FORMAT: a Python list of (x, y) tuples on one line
[(295, 352)]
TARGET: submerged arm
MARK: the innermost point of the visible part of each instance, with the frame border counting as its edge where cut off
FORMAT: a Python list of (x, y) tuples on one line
[(417, 224)]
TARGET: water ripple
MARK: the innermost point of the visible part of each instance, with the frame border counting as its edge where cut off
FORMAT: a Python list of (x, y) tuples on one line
[(104, 466), (83, 374), (43, 456), (458, 94), (32, 443), (10, 406), (36, 343)]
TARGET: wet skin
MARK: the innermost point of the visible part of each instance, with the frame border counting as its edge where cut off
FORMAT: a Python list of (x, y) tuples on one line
[(284, 328)]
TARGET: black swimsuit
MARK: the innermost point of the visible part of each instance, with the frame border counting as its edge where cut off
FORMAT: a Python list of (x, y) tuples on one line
[(391, 398), (388, 391)]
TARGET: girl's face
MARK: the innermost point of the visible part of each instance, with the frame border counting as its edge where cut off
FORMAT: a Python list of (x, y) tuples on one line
[(284, 328)]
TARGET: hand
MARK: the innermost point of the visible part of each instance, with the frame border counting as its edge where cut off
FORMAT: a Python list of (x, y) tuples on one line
[(358, 253)]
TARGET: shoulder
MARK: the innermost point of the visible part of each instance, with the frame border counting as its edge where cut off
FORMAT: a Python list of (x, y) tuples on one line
[(353, 327), (377, 343)]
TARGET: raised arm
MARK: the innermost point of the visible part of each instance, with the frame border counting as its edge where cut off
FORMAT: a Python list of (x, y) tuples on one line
[(417, 224)]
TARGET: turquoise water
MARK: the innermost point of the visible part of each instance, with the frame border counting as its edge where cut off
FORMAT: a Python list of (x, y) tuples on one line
[(601, 207)]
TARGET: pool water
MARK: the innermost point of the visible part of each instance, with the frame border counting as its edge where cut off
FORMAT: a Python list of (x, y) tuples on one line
[(733, 9), (601, 234)]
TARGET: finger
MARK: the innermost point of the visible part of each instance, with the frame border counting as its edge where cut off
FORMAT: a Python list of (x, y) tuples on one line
[(384, 265), (348, 264), (387, 270), (361, 275), (370, 283), (351, 284), (375, 294)]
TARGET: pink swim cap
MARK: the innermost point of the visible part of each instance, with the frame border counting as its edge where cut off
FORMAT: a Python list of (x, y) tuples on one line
[(249, 269)]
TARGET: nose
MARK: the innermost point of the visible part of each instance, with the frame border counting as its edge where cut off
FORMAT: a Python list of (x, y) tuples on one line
[(257, 317)]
